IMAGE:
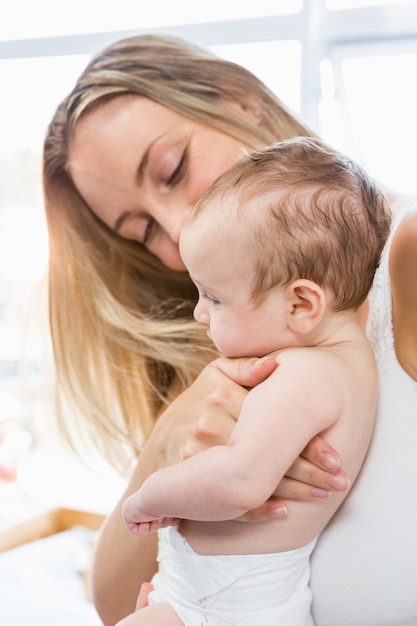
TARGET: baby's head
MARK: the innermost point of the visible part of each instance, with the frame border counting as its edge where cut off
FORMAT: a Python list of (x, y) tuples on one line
[(296, 209)]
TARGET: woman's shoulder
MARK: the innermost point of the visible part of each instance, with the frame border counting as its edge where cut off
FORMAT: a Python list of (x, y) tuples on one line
[(403, 272), (404, 242)]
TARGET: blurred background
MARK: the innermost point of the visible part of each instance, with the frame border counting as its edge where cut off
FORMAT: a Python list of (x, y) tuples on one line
[(347, 67)]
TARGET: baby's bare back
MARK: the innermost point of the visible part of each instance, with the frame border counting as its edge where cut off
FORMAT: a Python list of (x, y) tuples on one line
[(348, 370)]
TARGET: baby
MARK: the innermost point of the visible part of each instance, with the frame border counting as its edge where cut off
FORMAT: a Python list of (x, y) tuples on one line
[(283, 249)]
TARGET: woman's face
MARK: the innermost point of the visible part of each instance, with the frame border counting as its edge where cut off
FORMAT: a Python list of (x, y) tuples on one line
[(142, 167)]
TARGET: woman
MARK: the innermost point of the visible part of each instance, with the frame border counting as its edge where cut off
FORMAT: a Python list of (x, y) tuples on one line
[(151, 123)]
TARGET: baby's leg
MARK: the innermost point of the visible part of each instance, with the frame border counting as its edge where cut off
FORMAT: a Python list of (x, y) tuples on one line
[(153, 615)]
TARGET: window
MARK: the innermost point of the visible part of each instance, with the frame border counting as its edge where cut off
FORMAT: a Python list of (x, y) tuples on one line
[(346, 66), (374, 102), (281, 73)]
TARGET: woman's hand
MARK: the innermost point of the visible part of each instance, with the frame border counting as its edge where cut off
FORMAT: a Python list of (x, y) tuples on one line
[(314, 474), (205, 415), (202, 416)]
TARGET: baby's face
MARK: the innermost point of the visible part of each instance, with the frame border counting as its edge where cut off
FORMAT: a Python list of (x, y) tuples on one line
[(223, 274)]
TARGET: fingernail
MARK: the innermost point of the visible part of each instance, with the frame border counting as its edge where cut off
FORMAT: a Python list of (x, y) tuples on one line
[(279, 511), (339, 482), (320, 493), (329, 461), (262, 360)]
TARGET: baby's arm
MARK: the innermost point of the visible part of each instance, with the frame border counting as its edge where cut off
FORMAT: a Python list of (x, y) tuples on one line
[(225, 481)]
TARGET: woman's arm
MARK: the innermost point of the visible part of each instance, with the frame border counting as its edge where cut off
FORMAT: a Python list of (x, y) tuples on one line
[(121, 561), (403, 270), (202, 416)]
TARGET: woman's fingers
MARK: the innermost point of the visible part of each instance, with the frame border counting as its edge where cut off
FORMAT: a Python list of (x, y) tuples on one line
[(320, 453), (304, 481), (247, 372), (143, 597), (271, 509)]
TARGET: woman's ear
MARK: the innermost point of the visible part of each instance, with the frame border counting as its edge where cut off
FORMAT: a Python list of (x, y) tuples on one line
[(307, 305)]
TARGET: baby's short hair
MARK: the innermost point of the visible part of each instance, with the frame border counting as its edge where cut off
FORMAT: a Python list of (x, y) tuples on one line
[(304, 210)]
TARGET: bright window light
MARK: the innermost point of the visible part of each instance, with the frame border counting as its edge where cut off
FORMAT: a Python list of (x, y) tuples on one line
[(277, 63), (374, 123), (338, 5), (44, 18)]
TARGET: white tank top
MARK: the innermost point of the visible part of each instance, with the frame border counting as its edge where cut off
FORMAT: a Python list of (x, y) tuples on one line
[(364, 567)]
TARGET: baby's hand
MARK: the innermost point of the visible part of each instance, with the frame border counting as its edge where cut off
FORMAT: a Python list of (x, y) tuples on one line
[(139, 521), (140, 529)]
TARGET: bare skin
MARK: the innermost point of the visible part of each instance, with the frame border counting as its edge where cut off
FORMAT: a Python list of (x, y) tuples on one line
[(403, 270), (215, 397), (157, 614), (144, 182), (106, 149)]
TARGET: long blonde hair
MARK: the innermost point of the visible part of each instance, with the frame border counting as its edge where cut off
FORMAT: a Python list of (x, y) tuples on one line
[(121, 322)]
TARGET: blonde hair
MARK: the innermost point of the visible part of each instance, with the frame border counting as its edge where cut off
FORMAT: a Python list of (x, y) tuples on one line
[(121, 322), (302, 210)]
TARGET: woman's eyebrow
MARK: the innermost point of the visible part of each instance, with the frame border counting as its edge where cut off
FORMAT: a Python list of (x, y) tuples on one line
[(141, 171), (139, 178)]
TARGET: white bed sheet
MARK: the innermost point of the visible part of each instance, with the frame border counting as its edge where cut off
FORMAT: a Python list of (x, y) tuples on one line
[(41, 582)]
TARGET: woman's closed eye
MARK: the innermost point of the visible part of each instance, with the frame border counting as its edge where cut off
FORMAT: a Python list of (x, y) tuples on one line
[(174, 178), (149, 231), (178, 172)]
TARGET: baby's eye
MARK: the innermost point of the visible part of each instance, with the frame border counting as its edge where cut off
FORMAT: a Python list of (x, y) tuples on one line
[(212, 300)]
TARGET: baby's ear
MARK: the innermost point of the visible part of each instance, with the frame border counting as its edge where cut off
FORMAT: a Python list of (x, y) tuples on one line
[(307, 305)]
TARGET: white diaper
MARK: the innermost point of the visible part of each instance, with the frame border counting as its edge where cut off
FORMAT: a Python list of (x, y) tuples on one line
[(246, 590)]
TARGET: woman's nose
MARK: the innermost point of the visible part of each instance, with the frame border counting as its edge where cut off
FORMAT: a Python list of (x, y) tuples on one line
[(175, 222)]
